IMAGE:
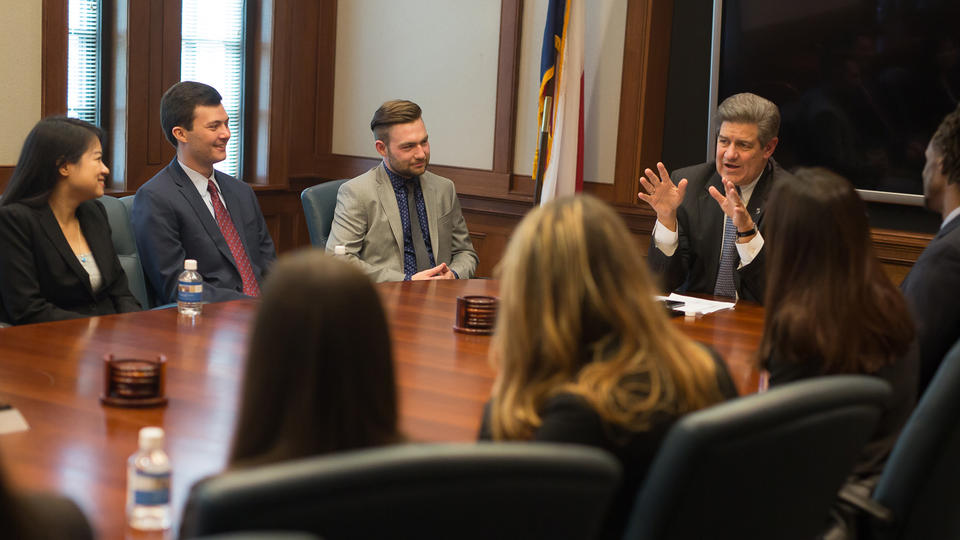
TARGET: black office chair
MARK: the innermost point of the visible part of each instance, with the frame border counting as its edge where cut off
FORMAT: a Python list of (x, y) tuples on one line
[(918, 495), (49, 515), (319, 203), (262, 535), (762, 466), (424, 491)]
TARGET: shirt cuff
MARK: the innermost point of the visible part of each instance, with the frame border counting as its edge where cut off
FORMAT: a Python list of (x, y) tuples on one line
[(455, 274), (748, 251), (666, 240)]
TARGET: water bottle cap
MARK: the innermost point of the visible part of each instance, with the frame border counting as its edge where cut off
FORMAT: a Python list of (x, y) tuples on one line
[(151, 438), (190, 264), (340, 250)]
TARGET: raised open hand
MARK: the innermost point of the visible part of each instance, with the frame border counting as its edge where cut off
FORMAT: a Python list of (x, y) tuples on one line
[(662, 195), (732, 205)]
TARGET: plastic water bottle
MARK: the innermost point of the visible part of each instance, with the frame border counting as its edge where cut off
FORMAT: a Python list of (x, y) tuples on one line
[(190, 289), (148, 483)]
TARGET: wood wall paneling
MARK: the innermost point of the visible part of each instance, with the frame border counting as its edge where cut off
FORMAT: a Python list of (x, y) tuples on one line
[(5, 173), (53, 54), (643, 94)]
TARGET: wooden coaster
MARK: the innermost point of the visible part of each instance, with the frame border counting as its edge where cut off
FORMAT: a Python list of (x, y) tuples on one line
[(476, 315), (132, 382)]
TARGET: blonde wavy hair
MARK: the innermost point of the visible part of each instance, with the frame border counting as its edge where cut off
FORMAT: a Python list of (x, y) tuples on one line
[(577, 315)]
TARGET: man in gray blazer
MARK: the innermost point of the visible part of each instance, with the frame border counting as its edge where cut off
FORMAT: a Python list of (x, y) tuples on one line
[(397, 221)]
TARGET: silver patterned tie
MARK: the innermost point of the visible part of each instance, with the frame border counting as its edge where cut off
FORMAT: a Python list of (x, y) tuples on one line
[(728, 257)]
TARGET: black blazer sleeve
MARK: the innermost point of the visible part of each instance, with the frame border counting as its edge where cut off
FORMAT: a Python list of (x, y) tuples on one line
[(19, 284), (40, 280)]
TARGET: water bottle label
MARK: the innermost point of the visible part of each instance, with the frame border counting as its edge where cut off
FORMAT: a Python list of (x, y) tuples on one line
[(151, 489), (190, 292)]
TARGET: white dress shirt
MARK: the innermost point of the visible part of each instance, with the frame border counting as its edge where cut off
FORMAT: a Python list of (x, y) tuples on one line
[(200, 182), (667, 241)]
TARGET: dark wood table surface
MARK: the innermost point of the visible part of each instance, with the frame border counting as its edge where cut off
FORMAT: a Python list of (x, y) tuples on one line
[(53, 373)]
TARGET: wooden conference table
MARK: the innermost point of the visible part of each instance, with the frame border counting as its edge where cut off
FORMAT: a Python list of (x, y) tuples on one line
[(53, 373)]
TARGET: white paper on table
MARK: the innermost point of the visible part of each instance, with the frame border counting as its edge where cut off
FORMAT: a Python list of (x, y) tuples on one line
[(696, 306), (11, 421)]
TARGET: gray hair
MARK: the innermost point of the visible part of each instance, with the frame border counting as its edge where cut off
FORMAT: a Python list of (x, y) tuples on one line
[(747, 108)]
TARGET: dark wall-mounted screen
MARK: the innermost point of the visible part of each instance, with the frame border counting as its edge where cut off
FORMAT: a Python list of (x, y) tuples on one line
[(861, 84)]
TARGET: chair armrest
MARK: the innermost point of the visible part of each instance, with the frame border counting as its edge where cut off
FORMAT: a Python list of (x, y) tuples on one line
[(862, 501)]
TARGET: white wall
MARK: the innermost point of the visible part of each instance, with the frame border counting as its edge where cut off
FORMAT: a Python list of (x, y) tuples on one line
[(442, 54), (603, 58), (20, 41)]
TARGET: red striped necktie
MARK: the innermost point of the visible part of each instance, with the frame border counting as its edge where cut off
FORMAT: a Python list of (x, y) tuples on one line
[(250, 287)]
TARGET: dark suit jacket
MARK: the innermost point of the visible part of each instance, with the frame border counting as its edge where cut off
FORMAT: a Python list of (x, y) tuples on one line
[(172, 223), (931, 288), (41, 278), (694, 266)]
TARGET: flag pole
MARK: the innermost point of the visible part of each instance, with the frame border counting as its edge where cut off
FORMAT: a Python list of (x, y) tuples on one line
[(542, 153)]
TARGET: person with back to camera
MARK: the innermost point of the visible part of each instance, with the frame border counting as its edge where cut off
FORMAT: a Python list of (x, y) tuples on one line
[(57, 260), (584, 354), (319, 373), (831, 309), (322, 322)]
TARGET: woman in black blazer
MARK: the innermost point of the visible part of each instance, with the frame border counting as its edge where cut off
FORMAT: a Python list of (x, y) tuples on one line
[(56, 257)]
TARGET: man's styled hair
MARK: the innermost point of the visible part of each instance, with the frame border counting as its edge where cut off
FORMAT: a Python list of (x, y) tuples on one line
[(747, 108), (395, 111), (178, 104), (946, 143)]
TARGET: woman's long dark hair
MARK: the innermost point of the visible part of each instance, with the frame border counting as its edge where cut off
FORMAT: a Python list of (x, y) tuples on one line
[(827, 298), (319, 374), (54, 141)]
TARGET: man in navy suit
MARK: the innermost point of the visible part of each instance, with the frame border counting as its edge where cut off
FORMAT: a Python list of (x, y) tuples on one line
[(191, 211), (934, 280)]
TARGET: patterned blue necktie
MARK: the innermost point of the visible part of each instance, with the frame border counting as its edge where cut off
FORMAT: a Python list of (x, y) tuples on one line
[(728, 257)]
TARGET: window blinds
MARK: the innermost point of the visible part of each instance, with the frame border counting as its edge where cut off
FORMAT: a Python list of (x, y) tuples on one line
[(212, 52), (83, 60)]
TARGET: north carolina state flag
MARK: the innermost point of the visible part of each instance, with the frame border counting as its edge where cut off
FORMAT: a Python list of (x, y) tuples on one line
[(561, 77)]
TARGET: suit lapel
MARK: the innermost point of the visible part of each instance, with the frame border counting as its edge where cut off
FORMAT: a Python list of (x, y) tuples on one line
[(53, 231), (756, 205), (430, 202), (388, 202), (189, 192)]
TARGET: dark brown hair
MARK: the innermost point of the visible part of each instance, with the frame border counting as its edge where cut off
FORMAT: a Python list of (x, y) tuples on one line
[(946, 143), (827, 299), (319, 373), (179, 102), (396, 111)]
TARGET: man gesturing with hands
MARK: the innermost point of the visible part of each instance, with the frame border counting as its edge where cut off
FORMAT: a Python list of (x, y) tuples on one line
[(707, 236)]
